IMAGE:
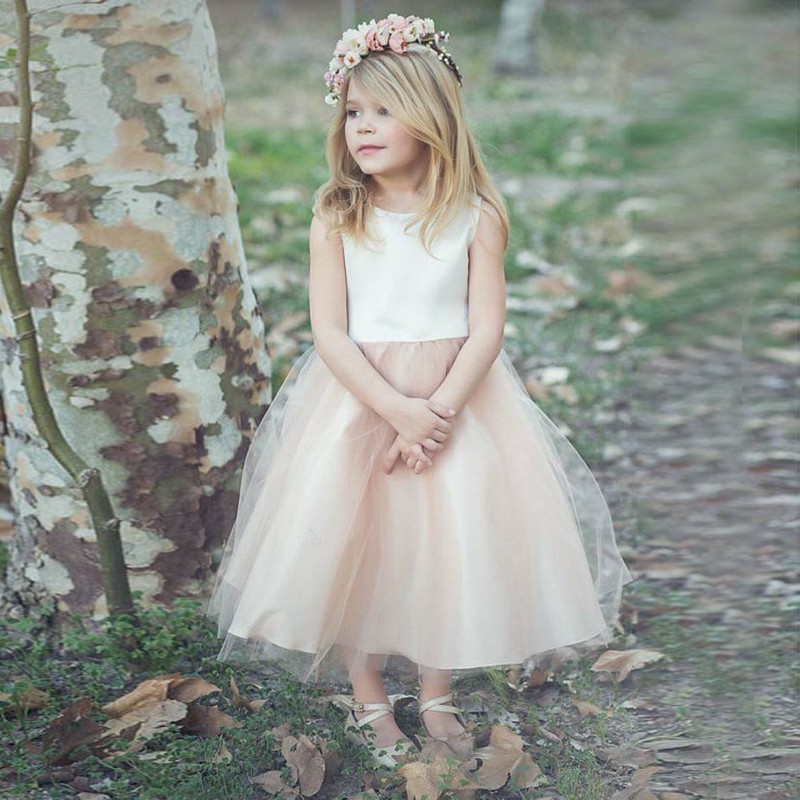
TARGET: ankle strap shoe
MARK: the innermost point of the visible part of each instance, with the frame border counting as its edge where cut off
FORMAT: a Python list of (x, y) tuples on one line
[(385, 756)]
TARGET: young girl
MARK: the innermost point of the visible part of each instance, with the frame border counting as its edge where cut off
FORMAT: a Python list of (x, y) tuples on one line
[(405, 507)]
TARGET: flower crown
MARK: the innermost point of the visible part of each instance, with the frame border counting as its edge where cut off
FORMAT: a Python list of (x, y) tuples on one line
[(395, 32)]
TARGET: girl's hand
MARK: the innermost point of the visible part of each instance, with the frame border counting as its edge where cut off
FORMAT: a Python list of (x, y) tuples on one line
[(411, 455), (422, 422)]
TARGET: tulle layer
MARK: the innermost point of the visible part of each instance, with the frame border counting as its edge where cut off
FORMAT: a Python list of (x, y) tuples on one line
[(500, 552)]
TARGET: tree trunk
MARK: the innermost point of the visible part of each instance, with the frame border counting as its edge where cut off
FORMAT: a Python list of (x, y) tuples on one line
[(516, 50), (151, 339)]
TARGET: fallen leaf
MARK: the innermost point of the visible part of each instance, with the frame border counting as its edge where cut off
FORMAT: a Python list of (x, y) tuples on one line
[(29, 699), (147, 719), (207, 721), (504, 758), (435, 770), (190, 688), (643, 775), (69, 731), (222, 755), (587, 709), (305, 761), (273, 784), (623, 661), (149, 691), (240, 701)]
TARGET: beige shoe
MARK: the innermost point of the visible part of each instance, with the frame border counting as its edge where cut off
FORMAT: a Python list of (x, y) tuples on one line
[(460, 740), (388, 756)]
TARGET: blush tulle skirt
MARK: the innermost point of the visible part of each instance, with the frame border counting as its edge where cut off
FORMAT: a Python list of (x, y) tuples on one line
[(500, 552)]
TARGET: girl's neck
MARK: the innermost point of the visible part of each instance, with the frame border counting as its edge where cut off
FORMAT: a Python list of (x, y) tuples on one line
[(397, 198)]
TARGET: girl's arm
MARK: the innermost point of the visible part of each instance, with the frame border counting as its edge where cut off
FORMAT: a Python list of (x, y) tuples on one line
[(487, 313), (327, 294), (419, 419)]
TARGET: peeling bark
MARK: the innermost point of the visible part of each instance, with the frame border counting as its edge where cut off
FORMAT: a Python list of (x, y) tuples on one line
[(151, 339)]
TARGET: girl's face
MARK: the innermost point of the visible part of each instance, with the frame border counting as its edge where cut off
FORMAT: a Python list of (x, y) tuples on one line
[(391, 149)]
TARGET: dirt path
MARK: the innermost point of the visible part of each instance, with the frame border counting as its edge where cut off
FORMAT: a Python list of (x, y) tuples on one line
[(711, 441)]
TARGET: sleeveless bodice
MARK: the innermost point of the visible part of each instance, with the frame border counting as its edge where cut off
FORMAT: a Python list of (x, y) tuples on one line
[(396, 291)]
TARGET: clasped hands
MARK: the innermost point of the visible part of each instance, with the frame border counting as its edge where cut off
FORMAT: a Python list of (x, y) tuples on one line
[(422, 427)]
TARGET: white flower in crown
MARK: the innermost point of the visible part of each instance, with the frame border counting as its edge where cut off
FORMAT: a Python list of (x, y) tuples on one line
[(384, 32), (350, 59), (412, 32), (355, 40)]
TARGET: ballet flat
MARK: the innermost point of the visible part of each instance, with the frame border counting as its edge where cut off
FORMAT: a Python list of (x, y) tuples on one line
[(387, 756), (445, 702)]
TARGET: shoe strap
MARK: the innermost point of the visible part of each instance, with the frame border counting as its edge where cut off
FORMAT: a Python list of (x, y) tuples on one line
[(435, 704), (378, 710)]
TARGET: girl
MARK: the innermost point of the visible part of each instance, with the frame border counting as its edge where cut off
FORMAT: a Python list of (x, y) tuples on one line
[(405, 506)]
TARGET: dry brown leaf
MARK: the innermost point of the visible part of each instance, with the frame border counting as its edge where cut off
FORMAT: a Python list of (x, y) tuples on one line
[(586, 709), (539, 677), (305, 761), (639, 704), (240, 701), (29, 699), (172, 686), (207, 721), (422, 778), (273, 784), (537, 389), (622, 662), (559, 284), (644, 794), (448, 769), (626, 755), (630, 279), (785, 328), (504, 758), (148, 719), (149, 691), (222, 755), (279, 732), (567, 393), (70, 730), (643, 775), (190, 688)]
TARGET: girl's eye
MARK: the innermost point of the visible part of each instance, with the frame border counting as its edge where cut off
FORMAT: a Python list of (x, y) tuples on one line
[(352, 111)]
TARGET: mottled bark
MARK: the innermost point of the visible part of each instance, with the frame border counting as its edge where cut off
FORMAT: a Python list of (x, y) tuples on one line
[(106, 525), (151, 338), (516, 49)]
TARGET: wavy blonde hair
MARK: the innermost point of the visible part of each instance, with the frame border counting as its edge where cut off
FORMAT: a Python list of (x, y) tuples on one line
[(424, 95)]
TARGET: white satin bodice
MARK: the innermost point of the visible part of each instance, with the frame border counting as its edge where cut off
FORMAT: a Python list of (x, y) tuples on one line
[(396, 291)]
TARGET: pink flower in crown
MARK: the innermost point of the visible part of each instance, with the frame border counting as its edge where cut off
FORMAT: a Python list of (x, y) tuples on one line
[(397, 42), (372, 39), (341, 48)]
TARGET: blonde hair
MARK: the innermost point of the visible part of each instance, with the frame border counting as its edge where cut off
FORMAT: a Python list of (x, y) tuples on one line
[(424, 95)]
